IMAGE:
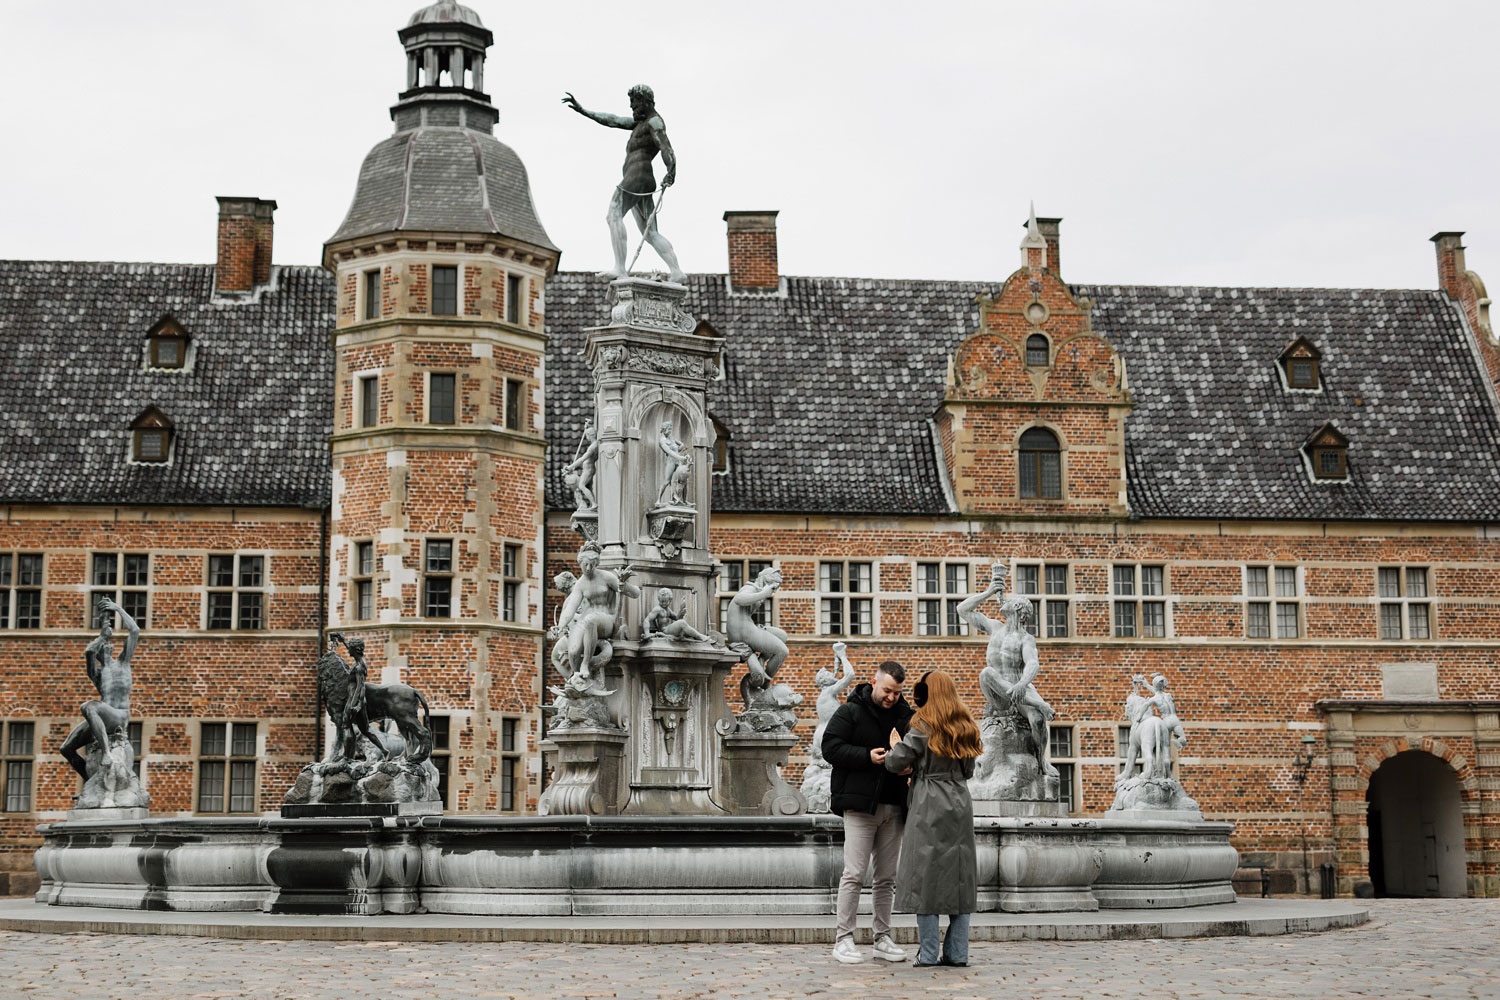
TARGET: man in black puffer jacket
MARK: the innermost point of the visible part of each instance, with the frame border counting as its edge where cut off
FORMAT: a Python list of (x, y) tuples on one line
[(872, 802)]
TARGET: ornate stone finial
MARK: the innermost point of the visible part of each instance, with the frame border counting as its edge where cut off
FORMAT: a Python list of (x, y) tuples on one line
[(1034, 240)]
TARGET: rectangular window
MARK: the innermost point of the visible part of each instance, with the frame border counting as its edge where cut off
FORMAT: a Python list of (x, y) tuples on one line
[(513, 298), (440, 398), (19, 746), (444, 290), (1061, 752), (136, 734), (1047, 586), (372, 294), (515, 403), (236, 592), (226, 767), (125, 579), (1139, 617), (437, 583), (949, 584), (20, 590), (840, 610), (1280, 618), (734, 574), (1404, 611), (512, 778), (364, 581), (442, 753), (369, 401), (511, 591)]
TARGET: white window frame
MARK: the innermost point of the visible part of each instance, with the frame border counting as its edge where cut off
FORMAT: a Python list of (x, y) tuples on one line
[(1133, 597), (1046, 602), (844, 600), (1405, 603), (945, 599), (236, 589), (1274, 599)]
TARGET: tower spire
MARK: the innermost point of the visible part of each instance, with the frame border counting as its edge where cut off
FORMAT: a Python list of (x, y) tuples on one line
[(445, 45), (1033, 243)]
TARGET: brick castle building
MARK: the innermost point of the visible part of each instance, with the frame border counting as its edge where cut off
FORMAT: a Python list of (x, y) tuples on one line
[(1287, 500)]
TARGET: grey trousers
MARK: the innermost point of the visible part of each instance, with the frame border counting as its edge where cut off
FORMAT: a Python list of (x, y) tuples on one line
[(867, 836)]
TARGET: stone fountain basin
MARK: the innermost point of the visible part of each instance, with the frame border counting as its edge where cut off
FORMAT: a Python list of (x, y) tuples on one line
[(584, 865)]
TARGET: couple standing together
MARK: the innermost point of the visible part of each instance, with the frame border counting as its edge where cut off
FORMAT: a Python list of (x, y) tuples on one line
[(900, 781)]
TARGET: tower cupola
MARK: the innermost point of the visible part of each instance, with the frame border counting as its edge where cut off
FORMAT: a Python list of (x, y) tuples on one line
[(445, 48)]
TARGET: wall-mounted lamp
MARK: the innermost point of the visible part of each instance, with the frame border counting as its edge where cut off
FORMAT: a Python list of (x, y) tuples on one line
[(1304, 760)]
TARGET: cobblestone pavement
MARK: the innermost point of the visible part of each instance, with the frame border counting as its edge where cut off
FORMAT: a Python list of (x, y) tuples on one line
[(1417, 948)]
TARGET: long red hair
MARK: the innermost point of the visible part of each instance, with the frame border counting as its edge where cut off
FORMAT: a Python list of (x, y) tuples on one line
[(950, 727)]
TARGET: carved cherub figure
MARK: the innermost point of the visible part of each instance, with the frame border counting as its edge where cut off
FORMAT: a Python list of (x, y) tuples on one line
[(666, 620)]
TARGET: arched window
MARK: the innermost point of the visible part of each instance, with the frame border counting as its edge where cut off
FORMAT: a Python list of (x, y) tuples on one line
[(1038, 351), (151, 436), (1040, 465)]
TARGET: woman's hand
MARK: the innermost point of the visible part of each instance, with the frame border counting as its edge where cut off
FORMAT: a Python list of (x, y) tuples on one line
[(895, 738)]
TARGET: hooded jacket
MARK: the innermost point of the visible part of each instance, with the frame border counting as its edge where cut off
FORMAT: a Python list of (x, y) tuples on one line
[(858, 726)]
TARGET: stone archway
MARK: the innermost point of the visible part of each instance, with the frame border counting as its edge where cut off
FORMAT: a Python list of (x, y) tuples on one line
[(1416, 828)]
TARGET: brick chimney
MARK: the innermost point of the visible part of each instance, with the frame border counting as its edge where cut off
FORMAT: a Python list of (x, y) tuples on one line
[(1048, 227), (752, 250), (245, 227), (1466, 288)]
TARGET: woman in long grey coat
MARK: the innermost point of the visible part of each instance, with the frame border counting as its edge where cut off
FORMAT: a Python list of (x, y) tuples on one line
[(938, 870)]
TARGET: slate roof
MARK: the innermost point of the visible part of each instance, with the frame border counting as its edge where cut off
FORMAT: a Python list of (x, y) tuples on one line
[(826, 395), (252, 416), (1214, 434), (828, 391), (443, 179)]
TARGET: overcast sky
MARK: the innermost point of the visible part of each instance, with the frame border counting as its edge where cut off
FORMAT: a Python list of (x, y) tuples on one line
[(1305, 143)]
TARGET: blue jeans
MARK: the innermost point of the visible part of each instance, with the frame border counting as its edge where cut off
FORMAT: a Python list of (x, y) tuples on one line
[(955, 942)]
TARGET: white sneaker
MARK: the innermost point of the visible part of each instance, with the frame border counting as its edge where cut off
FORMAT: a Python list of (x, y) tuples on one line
[(846, 952), (887, 949)]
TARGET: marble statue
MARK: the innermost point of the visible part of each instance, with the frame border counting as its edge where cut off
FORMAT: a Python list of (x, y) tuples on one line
[(590, 613), (679, 464), (664, 620), (581, 704), (636, 193), (558, 634), (579, 473), (107, 764), (831, 687), (1016, 721), (762, 647), (1154, 729), (367, 766)]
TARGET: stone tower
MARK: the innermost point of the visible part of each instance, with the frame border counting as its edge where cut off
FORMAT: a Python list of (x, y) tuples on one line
[(436, 525)]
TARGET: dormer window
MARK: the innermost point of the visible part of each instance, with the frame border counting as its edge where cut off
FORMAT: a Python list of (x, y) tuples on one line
[(721, 446), (1299, 363), (151, 436), (1038, 351), (168, 343), (1328, 452)]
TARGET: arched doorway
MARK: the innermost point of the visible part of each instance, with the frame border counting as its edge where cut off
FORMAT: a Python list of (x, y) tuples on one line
[(1416, 828)]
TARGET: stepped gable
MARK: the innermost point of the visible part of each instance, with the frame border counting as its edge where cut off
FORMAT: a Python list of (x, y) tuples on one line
[(828, 389), (252, 414), (826, 395), (1215, 434)]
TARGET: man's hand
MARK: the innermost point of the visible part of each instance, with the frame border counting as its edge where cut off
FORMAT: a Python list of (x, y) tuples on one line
[(878, 755), (572, 102), (107, 604), (1016, 691), (670, 179)]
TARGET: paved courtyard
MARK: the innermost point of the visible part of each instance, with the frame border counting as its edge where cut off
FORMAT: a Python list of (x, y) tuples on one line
[(1417, 948)]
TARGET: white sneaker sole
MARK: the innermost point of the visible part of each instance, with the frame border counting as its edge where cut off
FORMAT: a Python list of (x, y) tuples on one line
[(850, 959), (889, 958)]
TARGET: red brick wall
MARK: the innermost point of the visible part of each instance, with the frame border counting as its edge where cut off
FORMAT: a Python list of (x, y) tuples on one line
[(182, 673)]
